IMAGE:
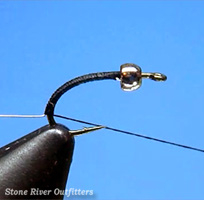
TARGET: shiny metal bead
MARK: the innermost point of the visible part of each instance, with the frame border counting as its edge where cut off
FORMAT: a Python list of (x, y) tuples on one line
[(131, 76)]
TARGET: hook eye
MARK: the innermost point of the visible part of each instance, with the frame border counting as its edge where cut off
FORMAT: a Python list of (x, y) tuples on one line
[(154, 76), (131, 77)]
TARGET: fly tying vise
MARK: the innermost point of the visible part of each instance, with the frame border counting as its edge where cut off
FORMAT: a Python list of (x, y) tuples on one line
[(46, 153), (42, 158)]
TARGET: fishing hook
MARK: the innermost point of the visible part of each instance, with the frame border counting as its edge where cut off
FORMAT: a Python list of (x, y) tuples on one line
[(130, 77)]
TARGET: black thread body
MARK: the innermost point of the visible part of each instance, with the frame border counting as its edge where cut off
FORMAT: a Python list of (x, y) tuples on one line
[(49, 110)]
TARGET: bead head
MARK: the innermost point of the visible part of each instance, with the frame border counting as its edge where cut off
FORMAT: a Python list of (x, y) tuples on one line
[(131, 77)]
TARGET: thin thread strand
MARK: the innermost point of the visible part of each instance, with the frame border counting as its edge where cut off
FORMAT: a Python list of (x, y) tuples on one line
[(133, 134), (23, 116)]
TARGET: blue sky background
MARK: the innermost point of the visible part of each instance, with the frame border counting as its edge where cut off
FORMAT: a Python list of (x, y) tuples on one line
[(45, 43)]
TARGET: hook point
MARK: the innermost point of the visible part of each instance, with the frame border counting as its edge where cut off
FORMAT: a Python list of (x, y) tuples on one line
[(85, 130)]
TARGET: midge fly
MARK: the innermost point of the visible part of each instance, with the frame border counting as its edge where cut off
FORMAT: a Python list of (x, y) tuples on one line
[(130, 76), (42, 158)]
